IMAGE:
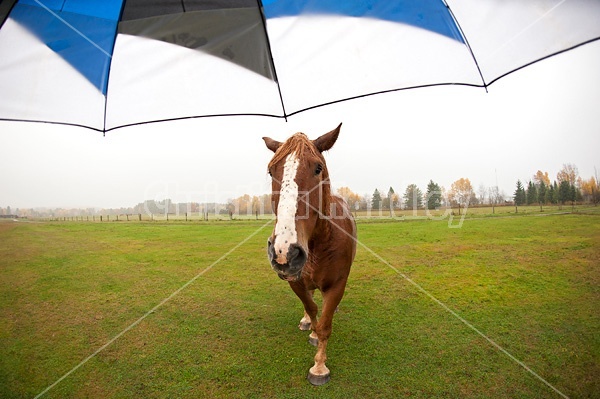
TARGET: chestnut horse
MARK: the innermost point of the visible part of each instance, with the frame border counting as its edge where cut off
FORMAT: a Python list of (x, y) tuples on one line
[(314, 240)]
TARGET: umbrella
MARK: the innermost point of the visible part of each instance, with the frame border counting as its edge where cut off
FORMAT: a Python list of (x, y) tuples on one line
[(107, 64)]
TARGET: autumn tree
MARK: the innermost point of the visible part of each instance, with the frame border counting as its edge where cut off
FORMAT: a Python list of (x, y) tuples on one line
[(461, 193), (540, 177), (351, 197), (261, 205), (434, 195), (246, 205), (569, 173), (589, 190), (413, 197), (597, 190), (395, 200), (266, 203)]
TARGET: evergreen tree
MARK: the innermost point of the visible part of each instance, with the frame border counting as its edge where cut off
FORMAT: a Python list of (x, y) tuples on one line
[(573, 194), (555, 193), (577, 197), (531, 193), (541, 194), (390, 195), (519, 196), (434, 195), (413, 197), (376, 200), (387, 201), (550, 194), (565, 193), (390, 201)]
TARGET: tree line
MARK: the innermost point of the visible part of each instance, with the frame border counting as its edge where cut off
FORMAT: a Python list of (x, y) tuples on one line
[(460, 194), (568, 187)]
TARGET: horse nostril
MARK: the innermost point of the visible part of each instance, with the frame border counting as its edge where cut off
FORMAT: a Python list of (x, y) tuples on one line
[(270, 249), (296, 255)]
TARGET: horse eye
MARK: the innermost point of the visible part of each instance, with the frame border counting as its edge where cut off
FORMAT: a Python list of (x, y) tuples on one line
[(319, 169)]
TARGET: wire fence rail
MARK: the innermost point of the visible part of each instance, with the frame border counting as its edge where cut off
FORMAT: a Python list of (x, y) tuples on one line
[(444, 213)]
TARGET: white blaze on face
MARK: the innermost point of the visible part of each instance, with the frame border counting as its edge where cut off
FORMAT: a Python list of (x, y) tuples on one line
[(285, 228)]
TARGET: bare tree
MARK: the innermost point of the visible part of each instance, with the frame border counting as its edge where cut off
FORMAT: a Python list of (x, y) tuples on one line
[(482, 191)]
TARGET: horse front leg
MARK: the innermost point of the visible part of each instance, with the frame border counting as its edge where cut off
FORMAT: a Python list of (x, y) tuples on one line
[(310, 307), (305, 322), (319, 373)]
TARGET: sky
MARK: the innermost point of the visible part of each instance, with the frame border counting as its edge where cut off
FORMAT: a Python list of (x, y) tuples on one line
[(538, 118)]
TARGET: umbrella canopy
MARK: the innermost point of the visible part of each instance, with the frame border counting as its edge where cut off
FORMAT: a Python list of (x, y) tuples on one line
[(106, 64)]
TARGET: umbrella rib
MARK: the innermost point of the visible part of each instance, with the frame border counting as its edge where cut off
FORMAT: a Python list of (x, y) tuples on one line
[(460, 29), (382, 92), (52, 123), (544, 58), (181, 118), (264, 24)]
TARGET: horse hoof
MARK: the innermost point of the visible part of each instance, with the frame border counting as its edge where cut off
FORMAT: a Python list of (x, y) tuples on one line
[(304, 326), (318, 380), (313, 339)]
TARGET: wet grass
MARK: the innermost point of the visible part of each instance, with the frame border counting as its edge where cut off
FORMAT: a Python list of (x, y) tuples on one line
[(529, 283)]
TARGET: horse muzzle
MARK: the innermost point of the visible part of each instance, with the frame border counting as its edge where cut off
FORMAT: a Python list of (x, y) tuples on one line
[(288, 265)]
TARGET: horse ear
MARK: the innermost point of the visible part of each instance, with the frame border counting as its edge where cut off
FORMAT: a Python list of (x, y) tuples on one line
[(326, 141), (272, 145)]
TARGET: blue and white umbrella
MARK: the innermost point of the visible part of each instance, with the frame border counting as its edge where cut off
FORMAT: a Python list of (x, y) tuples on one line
[(107, 64)]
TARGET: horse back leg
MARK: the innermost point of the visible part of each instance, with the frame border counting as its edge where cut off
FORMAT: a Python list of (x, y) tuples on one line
[(319, 373)]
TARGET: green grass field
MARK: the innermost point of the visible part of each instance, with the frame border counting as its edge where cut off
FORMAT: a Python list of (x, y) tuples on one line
[(530, 283)]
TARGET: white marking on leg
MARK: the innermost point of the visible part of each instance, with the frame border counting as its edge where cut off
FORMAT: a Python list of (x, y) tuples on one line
[(305, 322), (285, 228)]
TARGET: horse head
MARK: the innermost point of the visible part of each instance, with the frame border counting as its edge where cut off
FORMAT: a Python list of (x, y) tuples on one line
[(300, 197)]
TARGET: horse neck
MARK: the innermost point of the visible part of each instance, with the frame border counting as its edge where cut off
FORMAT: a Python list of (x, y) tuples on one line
[(323, 226)]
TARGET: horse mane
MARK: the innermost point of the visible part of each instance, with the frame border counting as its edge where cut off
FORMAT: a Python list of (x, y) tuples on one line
[(301, 145)]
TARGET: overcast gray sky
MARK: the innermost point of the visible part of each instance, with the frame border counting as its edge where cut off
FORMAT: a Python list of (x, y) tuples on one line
[(538, 118)]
